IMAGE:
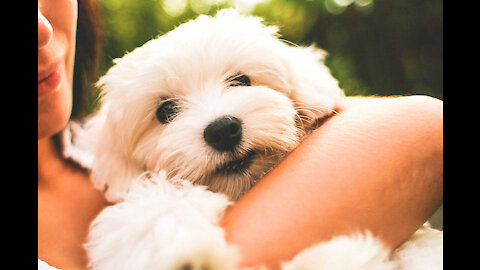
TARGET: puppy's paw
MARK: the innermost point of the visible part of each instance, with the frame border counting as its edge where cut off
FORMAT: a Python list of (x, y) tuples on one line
[(203, 256), (157, 227), (359, 252), (198, 247)]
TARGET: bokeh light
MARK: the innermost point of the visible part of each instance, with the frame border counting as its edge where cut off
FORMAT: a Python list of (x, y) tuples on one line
[(375, 47), (175, 8)]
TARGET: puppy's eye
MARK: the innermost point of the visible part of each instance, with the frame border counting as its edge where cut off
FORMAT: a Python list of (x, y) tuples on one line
[(167, 111), (240, 80)]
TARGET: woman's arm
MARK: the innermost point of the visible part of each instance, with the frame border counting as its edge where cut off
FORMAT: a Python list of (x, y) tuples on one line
[(377, 165)]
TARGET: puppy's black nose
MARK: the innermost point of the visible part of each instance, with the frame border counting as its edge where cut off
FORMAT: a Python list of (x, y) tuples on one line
[(223, 134)]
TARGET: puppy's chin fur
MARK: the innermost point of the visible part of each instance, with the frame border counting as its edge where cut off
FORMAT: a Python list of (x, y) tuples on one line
[(235, 184), (193, 67)]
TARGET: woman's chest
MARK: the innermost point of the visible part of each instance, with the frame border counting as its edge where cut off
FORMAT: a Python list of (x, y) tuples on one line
[(64, 214)]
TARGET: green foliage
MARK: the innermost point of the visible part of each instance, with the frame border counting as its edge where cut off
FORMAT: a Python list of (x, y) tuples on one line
[(376, 47)]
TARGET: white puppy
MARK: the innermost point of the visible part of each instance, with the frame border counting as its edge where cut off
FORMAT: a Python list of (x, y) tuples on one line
[(217, 102)]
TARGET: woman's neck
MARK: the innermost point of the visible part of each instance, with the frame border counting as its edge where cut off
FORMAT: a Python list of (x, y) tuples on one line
[(50, 163), (62, 223)]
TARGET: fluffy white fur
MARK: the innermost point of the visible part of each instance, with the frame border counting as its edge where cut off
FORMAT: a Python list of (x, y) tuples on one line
[(162, 225), (158, 173), (423, 251), (344, 253), (191, 65)]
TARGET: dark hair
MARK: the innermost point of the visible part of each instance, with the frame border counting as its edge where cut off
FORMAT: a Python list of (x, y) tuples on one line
[(85, 65), (87, 49)]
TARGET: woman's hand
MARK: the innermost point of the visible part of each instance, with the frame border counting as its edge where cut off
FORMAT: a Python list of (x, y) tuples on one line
[(377, 166)]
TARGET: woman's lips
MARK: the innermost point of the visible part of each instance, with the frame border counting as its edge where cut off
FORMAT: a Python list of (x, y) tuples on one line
[(49, 80)]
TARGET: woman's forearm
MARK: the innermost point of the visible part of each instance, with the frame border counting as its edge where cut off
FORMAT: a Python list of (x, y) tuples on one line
[(377, 166)]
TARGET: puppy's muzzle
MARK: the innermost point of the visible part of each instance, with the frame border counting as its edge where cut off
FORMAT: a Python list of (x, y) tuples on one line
[(224, 134)]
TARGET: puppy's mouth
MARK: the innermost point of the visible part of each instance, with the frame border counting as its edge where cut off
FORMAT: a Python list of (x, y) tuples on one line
[(237, 165)]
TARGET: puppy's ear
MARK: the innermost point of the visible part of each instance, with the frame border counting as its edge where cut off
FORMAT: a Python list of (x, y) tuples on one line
[(315, 92), (112, 171)]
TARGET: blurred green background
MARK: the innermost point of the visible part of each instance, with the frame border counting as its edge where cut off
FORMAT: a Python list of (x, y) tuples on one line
[(376, 47)]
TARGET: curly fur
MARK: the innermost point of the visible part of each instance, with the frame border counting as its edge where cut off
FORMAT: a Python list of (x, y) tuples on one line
[(165, 179), (291, 87)]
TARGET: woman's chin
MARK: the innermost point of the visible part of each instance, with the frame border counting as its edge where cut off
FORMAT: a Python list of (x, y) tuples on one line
[(54, 111)]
